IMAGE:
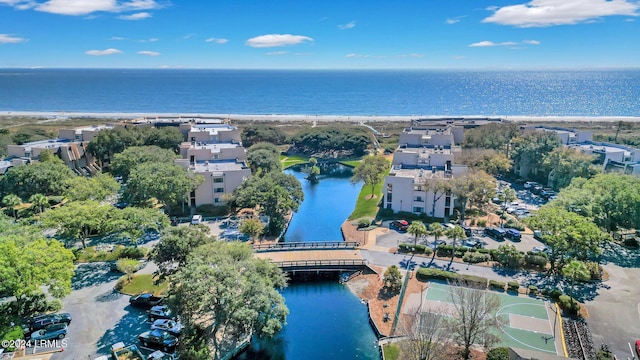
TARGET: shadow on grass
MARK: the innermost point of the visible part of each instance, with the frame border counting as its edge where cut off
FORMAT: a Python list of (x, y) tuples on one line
[(126, 330), (93, 274)]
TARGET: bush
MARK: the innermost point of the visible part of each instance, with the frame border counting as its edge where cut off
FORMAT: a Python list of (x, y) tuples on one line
[(501, 353), (404, 247), (482, 222), (533, 289), (121, 283), (495, 284), (472, 222), (210, 210), (513, 285), (427, 274), (535, 260), (554, 293), (594, 270), (474, 281), (474, 258), (568, 304), (513, 224), (132, 252), (385, 213), (364, 222), (15, 333)]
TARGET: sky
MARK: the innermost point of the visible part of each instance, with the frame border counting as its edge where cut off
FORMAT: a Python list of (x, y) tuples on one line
[(320, 34)]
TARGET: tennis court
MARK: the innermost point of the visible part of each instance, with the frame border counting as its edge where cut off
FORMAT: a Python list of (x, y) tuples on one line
[(523, 322)]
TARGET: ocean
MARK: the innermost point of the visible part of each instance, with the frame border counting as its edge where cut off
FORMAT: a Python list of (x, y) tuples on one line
[(323, 92)]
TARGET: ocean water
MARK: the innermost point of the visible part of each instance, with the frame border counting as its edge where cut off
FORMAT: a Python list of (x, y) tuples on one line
[(370, 93)]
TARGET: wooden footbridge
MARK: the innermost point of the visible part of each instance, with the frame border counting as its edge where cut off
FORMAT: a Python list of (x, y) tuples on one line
[(313, 256)]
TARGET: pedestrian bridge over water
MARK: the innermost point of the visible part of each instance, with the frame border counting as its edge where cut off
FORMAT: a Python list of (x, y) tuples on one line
[(313, 256)]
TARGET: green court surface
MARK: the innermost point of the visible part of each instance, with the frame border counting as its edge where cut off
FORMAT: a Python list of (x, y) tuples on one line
[(522, 322)]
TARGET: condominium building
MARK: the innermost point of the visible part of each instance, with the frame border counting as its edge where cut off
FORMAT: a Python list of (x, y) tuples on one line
[(220, 177), (208, 152), (73, 153)]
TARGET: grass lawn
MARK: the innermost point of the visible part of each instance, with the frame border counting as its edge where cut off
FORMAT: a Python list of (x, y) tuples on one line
[(144, 284), (352, 163), (289, 161), (391, 351), (365, 206)]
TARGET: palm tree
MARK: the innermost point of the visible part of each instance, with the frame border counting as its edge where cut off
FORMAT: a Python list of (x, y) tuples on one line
[(575, 270), (12, 201), (455, 233), (416, 229), (437, 230), (39, 201)]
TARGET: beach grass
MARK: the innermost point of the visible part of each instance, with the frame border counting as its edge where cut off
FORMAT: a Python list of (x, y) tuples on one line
[(367, 206), (145, 284), (289, 161), (391, 351)]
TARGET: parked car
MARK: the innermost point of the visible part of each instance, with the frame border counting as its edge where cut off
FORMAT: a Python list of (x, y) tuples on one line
[(530, 184), (196, 219), (55, 331), (467, 230), (400, 225), (539, 249), (172, 327), (513, 234), (537, 234), (158, 339), (42, 321), (638, 347), (472, 242), (161, 312), (495, 233), (145, 300)]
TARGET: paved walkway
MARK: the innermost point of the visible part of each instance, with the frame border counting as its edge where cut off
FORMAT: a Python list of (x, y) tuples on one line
[(311, 255)]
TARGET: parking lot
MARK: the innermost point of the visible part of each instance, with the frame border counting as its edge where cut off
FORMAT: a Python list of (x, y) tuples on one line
[(101, 316)]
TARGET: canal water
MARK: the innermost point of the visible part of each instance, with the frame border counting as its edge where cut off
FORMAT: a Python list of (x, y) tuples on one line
[(327, 203), (326, 320)]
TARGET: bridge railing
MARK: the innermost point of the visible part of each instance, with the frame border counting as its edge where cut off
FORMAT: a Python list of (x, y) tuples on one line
[(328, 245), (317, 263)]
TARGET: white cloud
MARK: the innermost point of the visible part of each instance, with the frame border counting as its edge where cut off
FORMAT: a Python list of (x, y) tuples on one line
[(458, 57), (8, 39), (217, 40), (189, 36), (82, 7), (117, 38), (103, 52), (149, 40), (531, 42), (414, 55), (136, 16), (349, 25), (274, 40), (540, 13), (276, 53), (487, 43), (367, 56), (452, 21), (148, 53)]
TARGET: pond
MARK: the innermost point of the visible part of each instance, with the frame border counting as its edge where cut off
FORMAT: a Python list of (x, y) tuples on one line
[(326, 320), (327, 204)]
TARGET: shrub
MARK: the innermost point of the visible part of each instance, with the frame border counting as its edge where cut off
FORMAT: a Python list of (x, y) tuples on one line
[(444, 250), (428, 250), (385, 213), (533, 289), (501, 353), (132, 252), (364, 222), (419, 248), (513, 285), (210, 210), (594, 270), (554, 293), (535, 260), (404, 247), (482, 222), (568, 304), (121, 283), (472, 222), (426, 274), (15, 333), (474, 280), (513, 224), (495, 284), (474, 258)]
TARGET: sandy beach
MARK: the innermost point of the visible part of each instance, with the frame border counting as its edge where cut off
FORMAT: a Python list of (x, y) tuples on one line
[(311, 118)]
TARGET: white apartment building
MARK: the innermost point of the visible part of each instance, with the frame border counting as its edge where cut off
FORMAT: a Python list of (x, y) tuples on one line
[(213, 133), (211, 152), (443, 135), (613, 157), (220, 177), (73, 153)]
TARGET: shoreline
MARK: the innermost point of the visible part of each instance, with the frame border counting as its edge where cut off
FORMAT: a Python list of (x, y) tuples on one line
[(63, 115)]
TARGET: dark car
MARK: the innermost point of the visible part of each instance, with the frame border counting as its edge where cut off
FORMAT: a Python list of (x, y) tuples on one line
[(158, 339), (467, 230), (513, 234), (55, 331), (145, 300), (161, 312), (472, 242), (400, 225), (495, 233), (42, 321)]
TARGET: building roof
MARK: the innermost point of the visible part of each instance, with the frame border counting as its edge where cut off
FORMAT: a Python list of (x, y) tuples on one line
[(213, 128), (430, 172), (80, 130), (46, 144), (212, 147), (218, 166)]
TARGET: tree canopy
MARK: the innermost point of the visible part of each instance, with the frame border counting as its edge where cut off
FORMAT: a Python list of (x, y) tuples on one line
[(564, 164), (490, 161), (98, 187), (255, 133), (530, 150), (371, 170), (612, 201), (48, 178), (318, 140), (168, 183), (124, 162), (112, 141), (226, 294), (176, 243), (491, 136), (475, 187)]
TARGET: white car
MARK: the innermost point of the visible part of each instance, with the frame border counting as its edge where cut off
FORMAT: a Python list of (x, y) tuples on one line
[(170, 326), (196, 219), (539, 249)]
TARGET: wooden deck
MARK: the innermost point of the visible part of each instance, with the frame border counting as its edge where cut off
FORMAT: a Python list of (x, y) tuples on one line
[(311, 255)]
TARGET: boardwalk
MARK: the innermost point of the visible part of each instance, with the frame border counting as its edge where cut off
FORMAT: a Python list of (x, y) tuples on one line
[(311, 255)]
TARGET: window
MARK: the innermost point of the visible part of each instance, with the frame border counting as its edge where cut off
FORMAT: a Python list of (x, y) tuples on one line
[(216, 157), (419, 199), (218, 180), (218, 190), (447, 201), (216, 200), (389, 187), (418, 209), (418, 188), (389, 197)]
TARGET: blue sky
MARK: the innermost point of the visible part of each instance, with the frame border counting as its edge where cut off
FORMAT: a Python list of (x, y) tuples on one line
[(316, 34)]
